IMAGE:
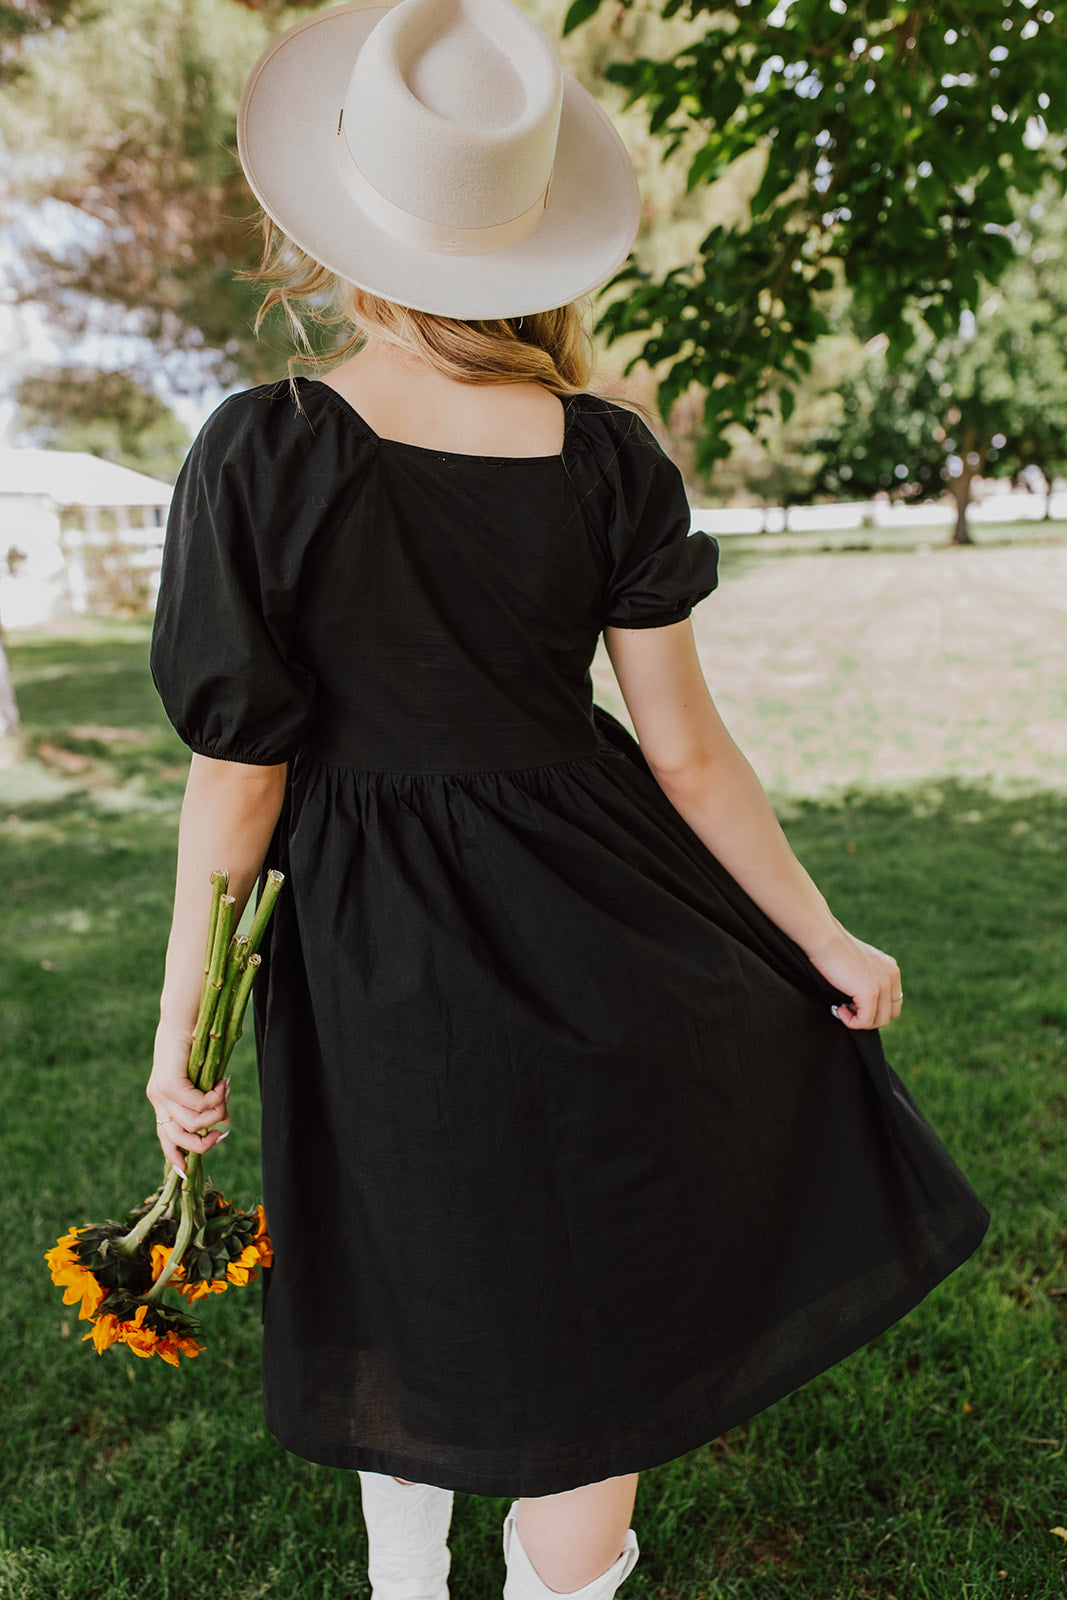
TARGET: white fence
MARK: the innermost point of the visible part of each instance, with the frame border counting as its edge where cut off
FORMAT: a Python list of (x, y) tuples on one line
[(1001, 506), (77, 534)]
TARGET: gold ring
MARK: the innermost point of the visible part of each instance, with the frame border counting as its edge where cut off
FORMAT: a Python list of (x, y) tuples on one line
[(897, 997)]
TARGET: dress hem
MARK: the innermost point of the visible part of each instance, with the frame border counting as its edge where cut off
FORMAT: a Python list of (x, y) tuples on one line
[(246, 758), (685, 1438)]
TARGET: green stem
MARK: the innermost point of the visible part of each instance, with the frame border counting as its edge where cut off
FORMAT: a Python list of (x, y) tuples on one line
[(199, 1216), (129, 1241), (220, 880), (215, 977), (230, 967), (237, 954), (172, 1172), (192, 1198), (271, 890), (237, 1009), (211, 1069)]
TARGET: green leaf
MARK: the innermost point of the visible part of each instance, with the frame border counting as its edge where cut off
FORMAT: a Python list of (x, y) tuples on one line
[(705, 166), (929, 197), (579, 11), (667, 106)]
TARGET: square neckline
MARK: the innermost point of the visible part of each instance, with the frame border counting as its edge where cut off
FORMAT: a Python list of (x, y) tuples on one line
[(430, 450)]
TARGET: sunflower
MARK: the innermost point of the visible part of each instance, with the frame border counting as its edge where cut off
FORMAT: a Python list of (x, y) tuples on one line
[(197, 1291), (105, 1331), (262, 1238), (75, 1279), (148, 1331), (222, 1260), (258, 1253), (160, 1255), (171, 1344)]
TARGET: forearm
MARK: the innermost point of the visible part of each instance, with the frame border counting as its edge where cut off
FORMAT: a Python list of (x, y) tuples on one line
[(228, 816), (726, 806)]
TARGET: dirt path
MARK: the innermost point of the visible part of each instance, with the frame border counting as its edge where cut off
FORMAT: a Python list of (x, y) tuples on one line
[(831, 670)]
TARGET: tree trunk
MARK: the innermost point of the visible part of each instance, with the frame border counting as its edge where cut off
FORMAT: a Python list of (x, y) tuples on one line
[(9, 711), (11, 741), (960, 489)]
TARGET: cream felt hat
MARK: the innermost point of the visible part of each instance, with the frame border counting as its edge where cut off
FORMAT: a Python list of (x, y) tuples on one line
[(436, 153)]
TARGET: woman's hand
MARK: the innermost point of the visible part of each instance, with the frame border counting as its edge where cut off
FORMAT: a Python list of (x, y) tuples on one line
[(866, 973), (182, 1110)]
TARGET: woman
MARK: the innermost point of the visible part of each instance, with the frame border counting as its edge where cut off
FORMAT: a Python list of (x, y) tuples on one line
[(579, 1144)]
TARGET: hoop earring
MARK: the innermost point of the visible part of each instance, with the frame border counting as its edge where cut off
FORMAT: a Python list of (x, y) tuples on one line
[(521, 321)]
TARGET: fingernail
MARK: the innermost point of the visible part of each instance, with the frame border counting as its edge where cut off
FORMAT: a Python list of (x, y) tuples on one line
[(222, 1136)]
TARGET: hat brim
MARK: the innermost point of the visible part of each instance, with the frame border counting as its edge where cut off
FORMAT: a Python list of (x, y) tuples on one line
[(288, 144)]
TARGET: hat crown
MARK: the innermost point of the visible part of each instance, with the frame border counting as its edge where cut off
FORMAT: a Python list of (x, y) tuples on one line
[(437, 154), (452, 110)]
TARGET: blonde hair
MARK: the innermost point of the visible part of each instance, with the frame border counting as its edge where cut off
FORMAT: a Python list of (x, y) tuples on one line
[(553, 348)]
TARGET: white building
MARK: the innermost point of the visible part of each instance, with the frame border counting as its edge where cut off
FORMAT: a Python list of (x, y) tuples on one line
[(77, 534)]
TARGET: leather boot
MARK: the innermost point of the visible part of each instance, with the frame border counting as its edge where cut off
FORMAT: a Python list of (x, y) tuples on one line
[(407, 1530), (523, 1582)]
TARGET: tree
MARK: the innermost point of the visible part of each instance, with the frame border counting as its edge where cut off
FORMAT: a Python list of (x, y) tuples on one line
[(142, 165), (26, 20), (11, 743), (779, 463), (886, 440), (890, 134), (107, 413), (991, 392)]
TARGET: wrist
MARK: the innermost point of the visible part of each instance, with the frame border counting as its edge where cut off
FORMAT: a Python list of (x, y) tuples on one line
[(829, 935), (177, 1020)]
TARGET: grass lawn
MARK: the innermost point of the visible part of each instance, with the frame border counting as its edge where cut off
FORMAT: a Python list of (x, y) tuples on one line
[(887, 668), (747, 550), (929, 1465)]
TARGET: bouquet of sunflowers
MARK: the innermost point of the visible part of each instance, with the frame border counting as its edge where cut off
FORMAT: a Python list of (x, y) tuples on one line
[(185, 1236)]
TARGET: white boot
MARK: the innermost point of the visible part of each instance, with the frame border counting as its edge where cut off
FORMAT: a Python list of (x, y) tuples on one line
[(407, 1530), (523, 1582)]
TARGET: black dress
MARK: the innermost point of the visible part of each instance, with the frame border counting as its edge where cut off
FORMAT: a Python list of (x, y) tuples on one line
[(567, 1165)]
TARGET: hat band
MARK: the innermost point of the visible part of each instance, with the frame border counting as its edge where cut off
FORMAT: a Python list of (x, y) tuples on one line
[(435, 236)]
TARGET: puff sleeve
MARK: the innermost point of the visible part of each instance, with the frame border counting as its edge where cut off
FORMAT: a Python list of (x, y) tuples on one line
[(221, 651), (660, 570)]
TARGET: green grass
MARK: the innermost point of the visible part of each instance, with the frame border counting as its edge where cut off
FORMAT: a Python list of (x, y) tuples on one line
[(929, 1465)]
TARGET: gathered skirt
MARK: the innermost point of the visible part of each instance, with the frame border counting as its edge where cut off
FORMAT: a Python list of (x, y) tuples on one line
[(567, 1164)]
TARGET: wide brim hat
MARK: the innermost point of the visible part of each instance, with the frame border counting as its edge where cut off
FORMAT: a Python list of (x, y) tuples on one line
[(436, 153)]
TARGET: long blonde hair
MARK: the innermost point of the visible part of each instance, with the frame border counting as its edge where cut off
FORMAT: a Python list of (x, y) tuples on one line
[(553, 348)]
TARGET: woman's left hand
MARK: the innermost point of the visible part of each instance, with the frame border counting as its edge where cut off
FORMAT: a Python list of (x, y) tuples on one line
[(182, 1110), (867, 974)]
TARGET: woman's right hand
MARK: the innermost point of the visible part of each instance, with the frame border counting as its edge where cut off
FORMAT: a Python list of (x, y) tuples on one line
[(864, 972), (181, 1109)]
